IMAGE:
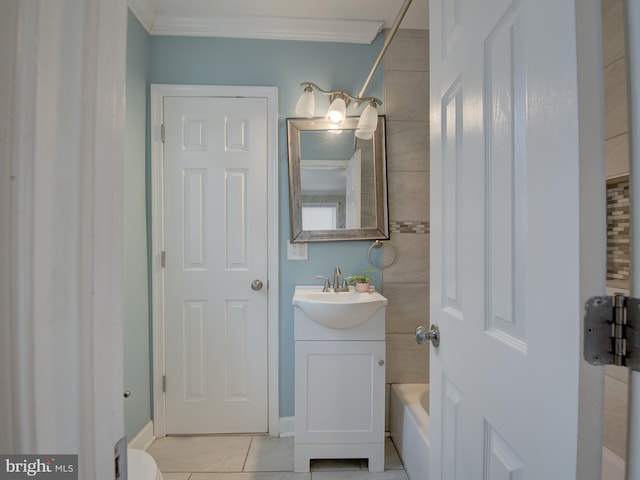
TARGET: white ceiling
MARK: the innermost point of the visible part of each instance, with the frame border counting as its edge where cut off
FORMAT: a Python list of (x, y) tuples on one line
[(321, 20)]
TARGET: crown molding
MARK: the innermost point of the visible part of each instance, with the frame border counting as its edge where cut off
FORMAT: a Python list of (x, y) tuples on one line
[(269, 28), (144, 12)]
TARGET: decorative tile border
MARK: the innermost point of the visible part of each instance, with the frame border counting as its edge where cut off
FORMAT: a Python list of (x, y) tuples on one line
[(618, 229), (408, 226)]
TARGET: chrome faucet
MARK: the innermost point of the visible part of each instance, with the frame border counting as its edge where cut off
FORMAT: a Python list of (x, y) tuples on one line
[(327, 286), (336, 282)]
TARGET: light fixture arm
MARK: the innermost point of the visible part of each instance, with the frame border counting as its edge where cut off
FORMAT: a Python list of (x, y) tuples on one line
[(333, 93), (387, 42)]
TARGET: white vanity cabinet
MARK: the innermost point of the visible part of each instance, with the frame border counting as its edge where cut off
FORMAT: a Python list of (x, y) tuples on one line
[(339, 391)]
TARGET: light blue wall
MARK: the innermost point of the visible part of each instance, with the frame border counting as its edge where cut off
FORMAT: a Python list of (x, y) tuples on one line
[(137, 366), (284, 64)]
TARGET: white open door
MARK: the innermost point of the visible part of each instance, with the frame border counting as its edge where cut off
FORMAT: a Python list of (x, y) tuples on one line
[(518, 238)]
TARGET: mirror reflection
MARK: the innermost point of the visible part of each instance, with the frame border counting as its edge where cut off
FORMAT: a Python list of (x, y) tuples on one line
[(337, 182)]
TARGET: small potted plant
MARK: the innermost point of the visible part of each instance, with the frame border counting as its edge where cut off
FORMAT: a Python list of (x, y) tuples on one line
[(362, 281)]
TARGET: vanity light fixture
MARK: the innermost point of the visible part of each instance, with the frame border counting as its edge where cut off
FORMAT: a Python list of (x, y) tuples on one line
[(339, 100)]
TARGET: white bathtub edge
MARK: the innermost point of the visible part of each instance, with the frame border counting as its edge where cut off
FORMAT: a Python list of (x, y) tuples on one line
[(409, 425)]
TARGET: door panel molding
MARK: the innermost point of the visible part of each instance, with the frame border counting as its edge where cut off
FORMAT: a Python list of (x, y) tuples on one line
[(158, 92)]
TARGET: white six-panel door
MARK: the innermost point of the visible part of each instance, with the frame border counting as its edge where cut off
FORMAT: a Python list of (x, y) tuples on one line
[(508, 248), (215, 187)]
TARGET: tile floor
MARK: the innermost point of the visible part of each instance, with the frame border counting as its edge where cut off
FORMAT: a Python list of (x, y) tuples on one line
[(257, 458)]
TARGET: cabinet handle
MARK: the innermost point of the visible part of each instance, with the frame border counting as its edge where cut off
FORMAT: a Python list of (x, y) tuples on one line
[(381, 362)]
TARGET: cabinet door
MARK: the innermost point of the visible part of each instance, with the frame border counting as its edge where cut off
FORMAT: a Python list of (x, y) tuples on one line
[(340, 392)]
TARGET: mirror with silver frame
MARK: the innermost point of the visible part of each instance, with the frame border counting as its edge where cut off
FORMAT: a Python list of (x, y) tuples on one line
[(337, 181)]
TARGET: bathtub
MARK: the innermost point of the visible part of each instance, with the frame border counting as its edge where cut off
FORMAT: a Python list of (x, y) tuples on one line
[(409, 425), (141, 466)]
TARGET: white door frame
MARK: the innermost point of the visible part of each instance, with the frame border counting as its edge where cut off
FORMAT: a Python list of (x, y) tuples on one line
[(158, 92), (632, 15)]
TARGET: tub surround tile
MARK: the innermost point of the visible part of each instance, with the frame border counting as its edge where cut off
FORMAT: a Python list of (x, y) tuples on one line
[(615, 415), (200, 454), (269, 454), (407, 146), (615, 99), (618, 230), (407, 362), (408, 306), (619, 373), (409, 226), (406, 282), (409, 50), (617, 155), (408, 195), (613, 24), (406, 97), (411, 264)]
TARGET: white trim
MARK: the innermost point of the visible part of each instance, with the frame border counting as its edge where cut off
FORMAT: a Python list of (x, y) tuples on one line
[(158, 92), (287, 427), (144, 438), (632, 17), (269, 28), (144, 12)]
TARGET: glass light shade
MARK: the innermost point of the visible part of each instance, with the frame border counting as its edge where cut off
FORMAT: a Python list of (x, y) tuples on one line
[(364, 134), (306, 105), (368, 119), (337, 110)]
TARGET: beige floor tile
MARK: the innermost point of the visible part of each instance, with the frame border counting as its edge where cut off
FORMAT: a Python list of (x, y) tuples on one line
[(200, 454), (252, 476), (268, 454), (176, 476), (391, 458)]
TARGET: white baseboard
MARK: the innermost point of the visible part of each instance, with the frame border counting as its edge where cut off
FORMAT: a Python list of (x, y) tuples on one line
[(144, 438), (287, 426)]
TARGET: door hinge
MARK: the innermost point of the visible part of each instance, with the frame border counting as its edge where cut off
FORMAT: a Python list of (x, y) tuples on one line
[(164, 383), (163, 259), (162, 133), (611, 331)]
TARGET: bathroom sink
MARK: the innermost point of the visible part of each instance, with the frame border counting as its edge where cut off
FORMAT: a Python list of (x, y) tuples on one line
[(337, 310)]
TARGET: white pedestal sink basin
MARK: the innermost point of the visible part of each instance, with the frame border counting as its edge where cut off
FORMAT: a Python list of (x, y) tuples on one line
[(337, 309)]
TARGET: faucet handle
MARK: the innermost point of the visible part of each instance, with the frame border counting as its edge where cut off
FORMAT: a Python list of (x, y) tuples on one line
[(327, 285)]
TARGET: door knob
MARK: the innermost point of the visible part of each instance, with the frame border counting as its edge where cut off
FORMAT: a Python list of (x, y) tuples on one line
[(256, 285), (433, 334)]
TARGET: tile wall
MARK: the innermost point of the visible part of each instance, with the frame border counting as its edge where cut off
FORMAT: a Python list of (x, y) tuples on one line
[(617, 166), (618, 232), (406, 282)]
